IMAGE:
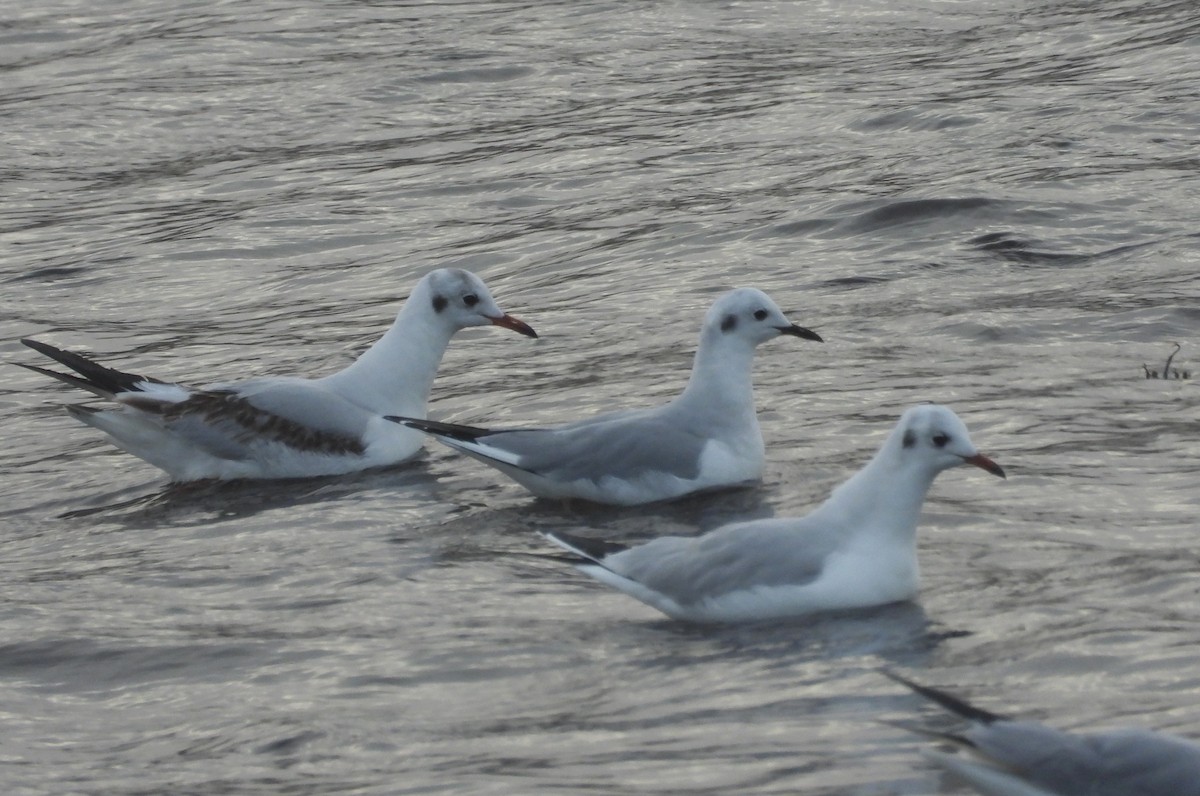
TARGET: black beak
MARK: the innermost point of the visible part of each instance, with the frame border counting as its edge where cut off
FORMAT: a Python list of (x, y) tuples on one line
[(800, 331)]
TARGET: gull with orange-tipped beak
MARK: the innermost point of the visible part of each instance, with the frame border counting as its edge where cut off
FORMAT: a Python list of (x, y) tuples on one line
[(856, 550), (283, 426)]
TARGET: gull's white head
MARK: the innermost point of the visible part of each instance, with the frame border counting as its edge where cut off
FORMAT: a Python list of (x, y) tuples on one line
[(460, 299), (750, 315), (932, 436)]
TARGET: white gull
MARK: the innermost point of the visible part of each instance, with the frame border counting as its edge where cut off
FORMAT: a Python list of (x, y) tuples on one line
[(1007, 757), (288, 427), (856, 550), (706, 438)]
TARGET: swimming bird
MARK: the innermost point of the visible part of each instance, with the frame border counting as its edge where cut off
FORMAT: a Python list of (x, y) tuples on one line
[(1007, 757), (707, 437), (289, 427), (856, 550)]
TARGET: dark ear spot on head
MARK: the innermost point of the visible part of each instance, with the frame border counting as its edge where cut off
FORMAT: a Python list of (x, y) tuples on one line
[(910, 439), (439, 303), (728, 323)]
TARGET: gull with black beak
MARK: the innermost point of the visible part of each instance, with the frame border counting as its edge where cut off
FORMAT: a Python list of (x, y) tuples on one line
[(706, 438), (856, 550), (1007, 757), (283, 426)]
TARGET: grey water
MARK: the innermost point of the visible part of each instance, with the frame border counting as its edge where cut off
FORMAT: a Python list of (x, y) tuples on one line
[(989, 205)]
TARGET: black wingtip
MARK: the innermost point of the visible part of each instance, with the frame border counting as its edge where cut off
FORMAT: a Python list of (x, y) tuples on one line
[(81, 411), (67, 378), (40, 347), (590, 551), (450, 430), (99, 379), (945, 700)]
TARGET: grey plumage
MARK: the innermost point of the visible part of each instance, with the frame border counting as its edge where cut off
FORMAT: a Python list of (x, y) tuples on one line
[(759, 553), (290, 427), (707, 437), (645, 442), (1017, 758)]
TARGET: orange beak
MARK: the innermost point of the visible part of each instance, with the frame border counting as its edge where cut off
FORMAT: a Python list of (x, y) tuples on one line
[(984, 463), (519, 326)]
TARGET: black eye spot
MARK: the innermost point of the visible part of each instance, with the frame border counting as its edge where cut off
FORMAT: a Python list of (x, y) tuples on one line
[(910, 439), (760, 315), (470, 299), (439, 303), (728, 323), (940, 440)]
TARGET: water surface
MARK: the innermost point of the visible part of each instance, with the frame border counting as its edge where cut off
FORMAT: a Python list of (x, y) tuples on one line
[(991, 208)]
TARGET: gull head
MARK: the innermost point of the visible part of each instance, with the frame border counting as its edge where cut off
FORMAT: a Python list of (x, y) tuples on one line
[(749, 315), (460, 299), (933, 436)]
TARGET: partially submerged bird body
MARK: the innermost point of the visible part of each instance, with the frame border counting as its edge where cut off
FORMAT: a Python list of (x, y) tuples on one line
[(754, 571), (1006, 757), (662, 460), (288, 427), (279, 428), (856, 550), (707, 437)]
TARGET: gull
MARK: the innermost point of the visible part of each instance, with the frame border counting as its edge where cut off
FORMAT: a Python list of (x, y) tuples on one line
[(706, 438), (1007, 757), (290, 427), (856, 550)]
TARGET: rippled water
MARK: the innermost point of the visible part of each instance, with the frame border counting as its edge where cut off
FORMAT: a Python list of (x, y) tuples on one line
[(992, 208)]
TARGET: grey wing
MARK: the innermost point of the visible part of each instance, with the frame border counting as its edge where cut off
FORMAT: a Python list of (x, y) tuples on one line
[(731, 558), (621, 446), (292, 412), (1038, 754), (1151, 764), (1107, 764), (308, 403)]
